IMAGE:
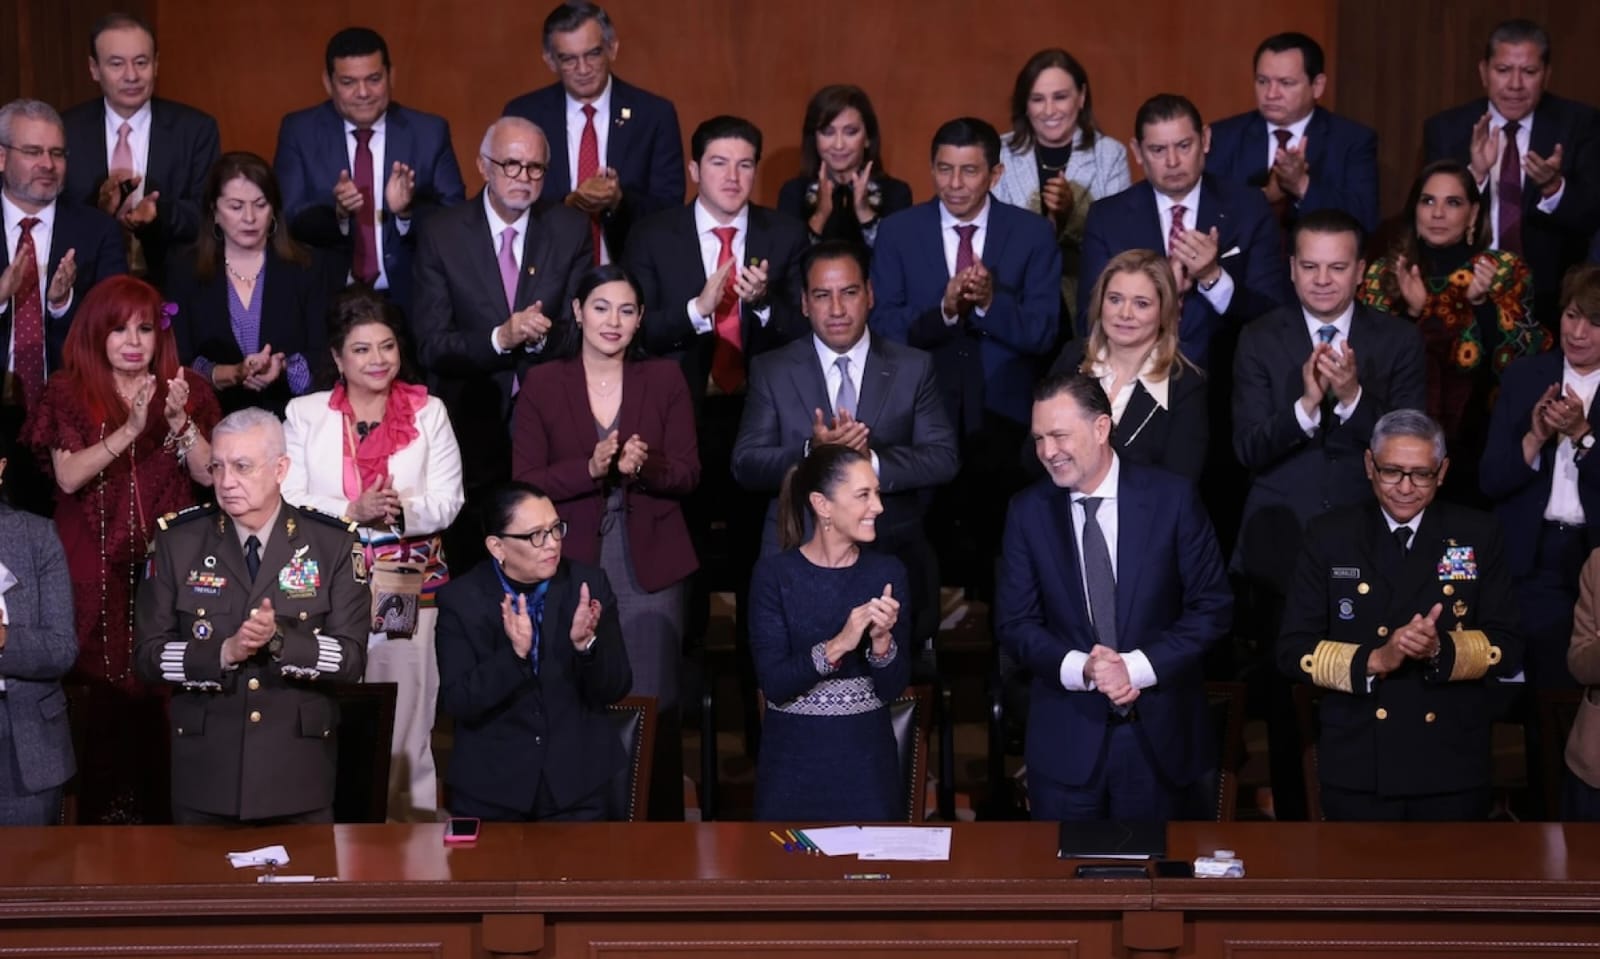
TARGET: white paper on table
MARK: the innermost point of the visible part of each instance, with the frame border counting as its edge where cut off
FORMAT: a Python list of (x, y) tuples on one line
[(905, 843), (836, 840), (265, 856)]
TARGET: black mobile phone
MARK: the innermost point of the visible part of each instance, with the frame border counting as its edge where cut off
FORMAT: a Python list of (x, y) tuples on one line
[(1174, 869), (459, 829)]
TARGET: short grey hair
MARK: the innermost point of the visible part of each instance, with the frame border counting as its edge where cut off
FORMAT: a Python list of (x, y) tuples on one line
[(1413, 423), (252, 418), (31, 109), (504, 123)]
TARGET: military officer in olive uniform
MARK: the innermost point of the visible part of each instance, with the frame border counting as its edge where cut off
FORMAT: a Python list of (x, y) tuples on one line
[(1402, 611), (251, 611)]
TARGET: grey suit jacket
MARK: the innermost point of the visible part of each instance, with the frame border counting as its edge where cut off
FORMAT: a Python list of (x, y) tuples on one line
[(41, 646), (899, 402)]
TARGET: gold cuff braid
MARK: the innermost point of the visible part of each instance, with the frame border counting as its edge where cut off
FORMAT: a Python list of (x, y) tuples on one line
[(1473, 654), (1330, 663)]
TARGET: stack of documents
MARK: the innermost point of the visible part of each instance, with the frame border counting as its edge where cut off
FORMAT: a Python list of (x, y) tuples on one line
[(902, 843)]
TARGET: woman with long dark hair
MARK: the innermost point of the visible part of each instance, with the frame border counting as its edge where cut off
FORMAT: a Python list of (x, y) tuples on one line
[(842, 191)]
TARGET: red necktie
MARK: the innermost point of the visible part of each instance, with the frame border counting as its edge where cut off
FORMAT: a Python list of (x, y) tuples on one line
[(964, 254), (1508, 191), (1176, 230), (727, 357), (589, 166), (28, 309), (364, 264), (1284, 206)]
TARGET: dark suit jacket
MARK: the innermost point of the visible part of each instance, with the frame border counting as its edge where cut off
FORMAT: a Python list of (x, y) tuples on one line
[(645, 148), (664, 256), (184, 145), (41, 646), (1173, 602), (1342, 155), (460, 300), (513, 728), (984, 362), (1293, 477), (96, 241), (1519, 492), (259, 741), (553, 435), (313, 148), (1551, 242), (294, 319), (1416, 732), (895, 195), (1244, 222), (899, 401), (1173, 439)]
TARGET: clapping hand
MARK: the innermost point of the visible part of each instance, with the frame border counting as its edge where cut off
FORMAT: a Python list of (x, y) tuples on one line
[(525, 326), (634, 453), (254, 633), (586, 618), (1291, 171), (379, 501), (268, 367), (347, 198), (60, 292), (882, 615), (177, 405), (605, 452), (139, 406), (400, 189), (518, 625), (1408, 276)]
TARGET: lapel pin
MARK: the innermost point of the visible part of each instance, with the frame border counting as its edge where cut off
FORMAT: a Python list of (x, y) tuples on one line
[(532, 270), (211, 562), (627, 113)]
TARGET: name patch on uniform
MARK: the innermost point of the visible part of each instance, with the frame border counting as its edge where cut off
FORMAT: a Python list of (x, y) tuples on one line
[(1347, 609), (1347, 572), (206, 584), (300, 578), (1458, 562)]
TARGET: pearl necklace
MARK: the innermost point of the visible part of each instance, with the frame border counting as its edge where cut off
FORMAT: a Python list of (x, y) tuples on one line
[(228, 265)]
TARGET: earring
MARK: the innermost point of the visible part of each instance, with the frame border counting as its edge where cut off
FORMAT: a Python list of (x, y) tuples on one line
[(827, 523), (216, 230), (273, 229), (1472, 230)]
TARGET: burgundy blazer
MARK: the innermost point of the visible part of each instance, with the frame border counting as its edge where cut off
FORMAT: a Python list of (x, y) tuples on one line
[(553, 436)]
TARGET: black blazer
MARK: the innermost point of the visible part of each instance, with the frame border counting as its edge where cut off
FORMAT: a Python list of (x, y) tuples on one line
[(1173, 439), (1551, 242), (1415, 732), (294, 319), (1293, 477), (1342, 155), (514, 728), (644, 146), (894, 196), (96, 241), (664, 257), (184, 145)]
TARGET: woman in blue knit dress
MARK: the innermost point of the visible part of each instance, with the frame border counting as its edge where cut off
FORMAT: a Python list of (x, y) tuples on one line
[(829, 642)]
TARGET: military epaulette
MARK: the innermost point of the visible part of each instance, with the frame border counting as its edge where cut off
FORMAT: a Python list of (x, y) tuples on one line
[(183, 516), (343, 522)]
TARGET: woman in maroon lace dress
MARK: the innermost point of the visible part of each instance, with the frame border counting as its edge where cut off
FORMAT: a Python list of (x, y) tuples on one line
[(124, 431)]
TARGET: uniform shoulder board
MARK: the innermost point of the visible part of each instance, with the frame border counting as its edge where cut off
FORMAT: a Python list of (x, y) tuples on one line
[(183, 516), (343, 522)]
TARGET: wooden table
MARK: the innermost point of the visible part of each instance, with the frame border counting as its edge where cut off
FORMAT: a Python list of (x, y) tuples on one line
[(725, 889)]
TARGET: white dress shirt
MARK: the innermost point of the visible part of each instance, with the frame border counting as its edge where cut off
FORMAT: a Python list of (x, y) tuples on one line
[(497, 226), (1221, 292), (1101, 370), (710, 248), (380, 179), (1341, 339), (1140, 672), (138, 144), (952, 245), (7, 580), (43, 236), (1297, 132), (830, 374), (1491, 186), (1564, 505), (576, 121)]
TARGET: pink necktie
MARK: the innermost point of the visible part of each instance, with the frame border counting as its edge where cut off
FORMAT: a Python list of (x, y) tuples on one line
[(1508, 191), (1176, 230), (122, 156), (964, 254), (589, 166), (508, 266)]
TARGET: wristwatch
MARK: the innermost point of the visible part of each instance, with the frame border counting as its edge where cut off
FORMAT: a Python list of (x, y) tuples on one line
[(1582, 445)]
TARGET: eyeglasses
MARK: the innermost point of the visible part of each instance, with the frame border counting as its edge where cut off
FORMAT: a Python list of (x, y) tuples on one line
[(516, 169), (33, 153), (1392, 475), (536, 537), (589, 58)]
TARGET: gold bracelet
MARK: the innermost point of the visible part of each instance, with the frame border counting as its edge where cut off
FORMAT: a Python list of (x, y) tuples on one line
[(108, 447)]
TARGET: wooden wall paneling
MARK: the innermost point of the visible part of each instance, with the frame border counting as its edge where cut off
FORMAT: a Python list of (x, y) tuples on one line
[(48, 50)]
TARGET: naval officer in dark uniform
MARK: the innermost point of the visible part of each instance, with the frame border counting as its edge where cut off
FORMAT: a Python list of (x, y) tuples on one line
[(251, 611), (1402, 611)]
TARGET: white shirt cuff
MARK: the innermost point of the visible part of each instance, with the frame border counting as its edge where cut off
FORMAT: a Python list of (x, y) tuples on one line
[(702, 324), (1140, 673), (402, 225), (763, 315), (1308, 421), (948, 319), (1072, 672), (1220, 294), (494, 340), (1548, 204), (58, 313), (1343, 412)]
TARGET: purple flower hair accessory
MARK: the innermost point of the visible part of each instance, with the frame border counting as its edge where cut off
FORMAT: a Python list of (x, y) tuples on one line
[(168, 311)]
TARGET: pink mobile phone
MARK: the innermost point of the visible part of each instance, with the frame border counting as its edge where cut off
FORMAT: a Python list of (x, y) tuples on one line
[(460, 829)]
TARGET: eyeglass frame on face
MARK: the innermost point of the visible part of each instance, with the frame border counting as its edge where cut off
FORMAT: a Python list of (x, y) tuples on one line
[(537, 537), (534, 169), (36, 153), (1394, 475), (567, 62)]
